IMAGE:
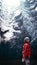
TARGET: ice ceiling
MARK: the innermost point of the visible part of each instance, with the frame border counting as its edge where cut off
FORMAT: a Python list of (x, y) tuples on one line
[(10, 4), (14, 11), (8, 8)]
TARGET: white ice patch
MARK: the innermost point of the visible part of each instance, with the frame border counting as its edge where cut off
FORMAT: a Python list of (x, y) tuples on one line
[(10, 4), (36, 9)]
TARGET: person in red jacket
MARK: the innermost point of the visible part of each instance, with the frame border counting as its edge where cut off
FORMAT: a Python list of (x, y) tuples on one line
[(26, 51)]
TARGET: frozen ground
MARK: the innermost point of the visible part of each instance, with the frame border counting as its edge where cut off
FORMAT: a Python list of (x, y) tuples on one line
[(17, 62)]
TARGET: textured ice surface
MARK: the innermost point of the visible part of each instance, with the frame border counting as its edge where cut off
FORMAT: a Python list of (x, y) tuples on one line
[(26, 14)]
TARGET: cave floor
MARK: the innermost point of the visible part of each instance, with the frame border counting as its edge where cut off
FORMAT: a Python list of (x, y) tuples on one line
[(16, 62)]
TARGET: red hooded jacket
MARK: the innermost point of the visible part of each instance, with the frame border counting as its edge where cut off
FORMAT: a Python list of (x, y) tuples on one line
[(26, 50)]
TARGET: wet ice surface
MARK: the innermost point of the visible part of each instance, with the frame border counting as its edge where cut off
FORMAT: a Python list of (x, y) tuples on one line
[(20, 21), (29, 12)]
